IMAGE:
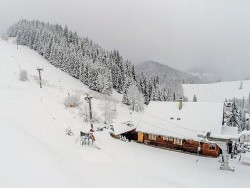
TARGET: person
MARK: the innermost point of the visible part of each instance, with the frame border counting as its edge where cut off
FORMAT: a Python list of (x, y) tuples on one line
[(91, 135)]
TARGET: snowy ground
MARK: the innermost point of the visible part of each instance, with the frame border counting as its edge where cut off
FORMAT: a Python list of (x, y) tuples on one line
[(217, 92), (35, 152)]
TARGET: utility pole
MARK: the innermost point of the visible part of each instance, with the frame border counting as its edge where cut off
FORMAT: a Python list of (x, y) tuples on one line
[(88, 99), (40, 78), (18, 38)]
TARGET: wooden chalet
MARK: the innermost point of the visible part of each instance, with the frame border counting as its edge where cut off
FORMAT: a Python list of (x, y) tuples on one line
[(176, 125)]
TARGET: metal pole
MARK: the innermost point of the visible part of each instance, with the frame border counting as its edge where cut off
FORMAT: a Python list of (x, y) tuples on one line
[(88, 99), (40, 78)]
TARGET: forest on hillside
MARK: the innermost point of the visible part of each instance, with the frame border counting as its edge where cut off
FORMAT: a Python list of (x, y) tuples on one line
[(80, 57)]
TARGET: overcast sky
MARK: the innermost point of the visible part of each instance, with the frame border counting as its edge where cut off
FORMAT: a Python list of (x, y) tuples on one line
[(184, 34)]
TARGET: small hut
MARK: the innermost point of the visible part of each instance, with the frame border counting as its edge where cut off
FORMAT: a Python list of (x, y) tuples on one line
[(125, 130)]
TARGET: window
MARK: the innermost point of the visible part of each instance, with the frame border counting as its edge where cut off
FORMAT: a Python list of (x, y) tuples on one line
[(212, 147), (152, 137), (178, 141), (165, 138), (171, 139)]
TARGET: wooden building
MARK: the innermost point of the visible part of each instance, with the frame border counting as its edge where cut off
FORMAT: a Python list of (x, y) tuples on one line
[(176, 125), (186, 145)]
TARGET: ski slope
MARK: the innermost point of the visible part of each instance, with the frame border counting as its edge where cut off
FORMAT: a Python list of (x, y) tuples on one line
[(217, 92), (35, 152)]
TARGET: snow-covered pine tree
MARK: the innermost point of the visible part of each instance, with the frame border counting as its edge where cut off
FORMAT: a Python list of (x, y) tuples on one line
[(125, 97), (194, 98), (242, 121), (241, 85), (155, 89), (249, 103), (128, 83), (135, 98), (104, 81), (174, 97), (233, 119), (79, 56)]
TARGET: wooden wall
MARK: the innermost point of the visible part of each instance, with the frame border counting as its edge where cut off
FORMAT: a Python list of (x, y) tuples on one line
[(186, 145), (207, 151)]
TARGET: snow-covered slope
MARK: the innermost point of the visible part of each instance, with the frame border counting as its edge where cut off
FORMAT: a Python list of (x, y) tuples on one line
[(35, 152), (217, 92)]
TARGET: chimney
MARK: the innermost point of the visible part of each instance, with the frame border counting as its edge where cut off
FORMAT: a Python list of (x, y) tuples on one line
[(180, 100)]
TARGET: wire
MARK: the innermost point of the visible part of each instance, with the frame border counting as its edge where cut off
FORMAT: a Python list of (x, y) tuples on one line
[(178, 126), (158, 127), (197, 131)]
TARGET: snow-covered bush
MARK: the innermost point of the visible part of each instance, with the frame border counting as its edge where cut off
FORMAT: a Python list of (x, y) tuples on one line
[(23, 76), (72, 101)]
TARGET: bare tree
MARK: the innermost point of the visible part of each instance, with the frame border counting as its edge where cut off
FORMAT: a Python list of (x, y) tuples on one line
[(108, 108), (135, 98)]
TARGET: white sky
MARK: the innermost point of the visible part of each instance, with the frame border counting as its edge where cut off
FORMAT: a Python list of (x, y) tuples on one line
[(185, 34)]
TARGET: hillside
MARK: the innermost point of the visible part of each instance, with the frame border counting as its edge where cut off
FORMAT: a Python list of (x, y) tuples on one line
[(169, 77), (206, 77), (94, 66), (217, 92), (35, 152)]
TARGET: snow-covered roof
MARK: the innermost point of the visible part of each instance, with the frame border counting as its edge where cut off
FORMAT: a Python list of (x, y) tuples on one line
[(165, 118), (120, 128), (227, 130)]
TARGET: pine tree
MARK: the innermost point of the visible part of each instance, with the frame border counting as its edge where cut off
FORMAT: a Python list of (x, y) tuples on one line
[(241, 85), (79, 57), (66, 32), (194, 98), (104, 82), (135, 98), (233, 119), (125, 97), (242, 122), (249, 103), (174, 97)]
